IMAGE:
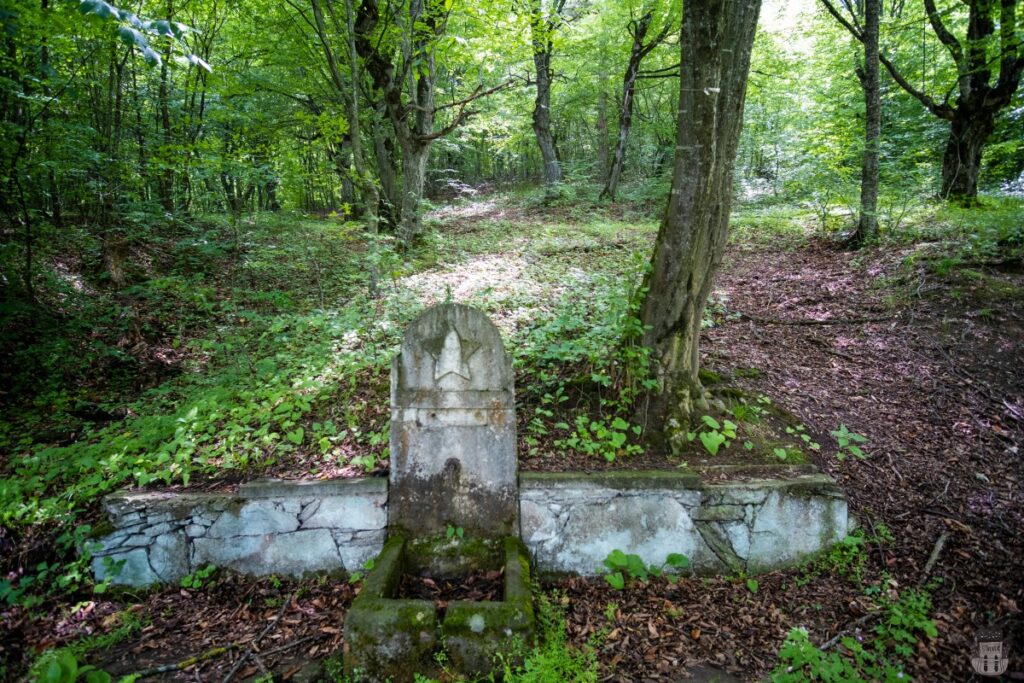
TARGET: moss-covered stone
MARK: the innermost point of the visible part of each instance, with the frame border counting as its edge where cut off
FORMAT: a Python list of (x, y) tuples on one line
[(450, 557), (388, 639), (474, 633)]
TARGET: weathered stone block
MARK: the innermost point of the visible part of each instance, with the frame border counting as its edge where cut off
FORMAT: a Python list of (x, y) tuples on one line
[(255, 518), (453, 454), (135, 570), (290, 554), (651, 526), (355, 548), (168, 556), (796, 522), (345, 512)]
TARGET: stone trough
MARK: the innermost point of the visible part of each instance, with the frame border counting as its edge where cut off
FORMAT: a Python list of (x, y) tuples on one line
[(400, 636)]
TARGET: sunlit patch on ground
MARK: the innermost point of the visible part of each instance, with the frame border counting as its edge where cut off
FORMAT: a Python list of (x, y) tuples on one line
[(504, 284)]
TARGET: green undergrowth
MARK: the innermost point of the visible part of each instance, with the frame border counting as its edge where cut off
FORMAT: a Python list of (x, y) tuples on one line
[(880, 653), (235, 347), (68, 663)]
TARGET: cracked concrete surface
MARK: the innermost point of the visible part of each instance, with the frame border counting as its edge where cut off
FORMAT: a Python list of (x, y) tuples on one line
[(570, 522)]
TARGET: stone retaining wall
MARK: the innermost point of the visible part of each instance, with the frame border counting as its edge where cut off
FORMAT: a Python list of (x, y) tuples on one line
[(570, 522), (268, 527)]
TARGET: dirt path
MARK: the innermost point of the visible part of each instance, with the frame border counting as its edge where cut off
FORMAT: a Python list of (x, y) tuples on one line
[(936, 383)]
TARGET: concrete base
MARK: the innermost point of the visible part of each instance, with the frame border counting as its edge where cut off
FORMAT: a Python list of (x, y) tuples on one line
[(389, 639), (569, 521)]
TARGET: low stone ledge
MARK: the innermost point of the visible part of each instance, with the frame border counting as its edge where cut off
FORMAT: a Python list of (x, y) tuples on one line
[(315, 488), (570, 521), (617, 479), (268, 527)]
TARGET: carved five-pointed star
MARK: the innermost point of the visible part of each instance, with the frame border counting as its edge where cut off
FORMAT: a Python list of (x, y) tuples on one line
[(451, 354)]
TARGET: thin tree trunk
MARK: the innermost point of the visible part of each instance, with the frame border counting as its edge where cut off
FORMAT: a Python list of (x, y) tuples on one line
[(638, 29), (602, 134), (368, 188), (166, 184), (867, 225), (717, 37), (541, 31)]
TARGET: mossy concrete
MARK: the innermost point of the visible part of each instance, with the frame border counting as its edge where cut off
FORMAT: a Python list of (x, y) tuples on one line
[(474, 632), (391, 639)]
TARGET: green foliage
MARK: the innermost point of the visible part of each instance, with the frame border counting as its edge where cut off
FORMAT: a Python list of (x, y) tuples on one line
[(454, 532), (628, 566), (861, 658), (553, 659), (357, 576), (64, 665), (714, 435), (596, 339), (848, 443), (199, 577), (599, 438)]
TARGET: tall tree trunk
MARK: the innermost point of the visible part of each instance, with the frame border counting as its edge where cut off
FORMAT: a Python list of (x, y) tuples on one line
[(602, 134), (542, 28), (368, 188), (384, 151), (867, 225), (638, 29), (414, 173), (717, 38), (166, 183), (542, 119), (961, 163)]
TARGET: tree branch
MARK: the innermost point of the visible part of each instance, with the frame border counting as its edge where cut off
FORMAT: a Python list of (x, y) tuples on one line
[(475, 95), (945, 37), (943, 110)]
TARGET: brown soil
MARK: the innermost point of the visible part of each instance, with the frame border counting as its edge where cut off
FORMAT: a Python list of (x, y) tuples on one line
[(938, 389), (478, 587)]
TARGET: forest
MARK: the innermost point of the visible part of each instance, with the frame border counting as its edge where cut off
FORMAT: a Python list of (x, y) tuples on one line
[(712, 233)]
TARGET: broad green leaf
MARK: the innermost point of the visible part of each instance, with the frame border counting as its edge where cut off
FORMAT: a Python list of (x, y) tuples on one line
[(711, 422), (677, 560), (712, 441), (615, 580)]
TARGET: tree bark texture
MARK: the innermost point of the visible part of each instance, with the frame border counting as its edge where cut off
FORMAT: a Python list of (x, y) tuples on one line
[(602, 134), (867, 225), (638, 29), (717, 38), (412, 122), (542, 28)]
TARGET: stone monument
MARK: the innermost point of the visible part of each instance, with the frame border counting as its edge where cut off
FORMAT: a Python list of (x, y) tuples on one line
[(453, 428), (453, 507)]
